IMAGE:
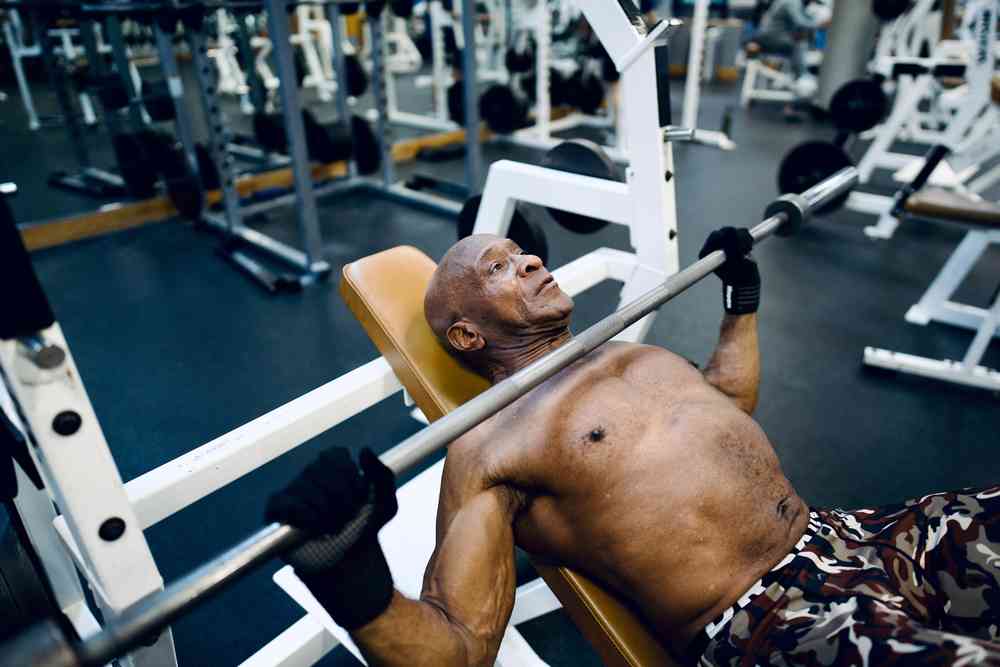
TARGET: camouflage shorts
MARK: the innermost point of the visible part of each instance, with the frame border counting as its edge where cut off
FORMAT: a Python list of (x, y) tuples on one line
[(913, 583)]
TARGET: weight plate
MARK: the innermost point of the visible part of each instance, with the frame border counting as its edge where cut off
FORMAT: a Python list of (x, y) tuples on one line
[(367, 156), (858, 105), (809, 163), (580, 156), (502, 110), (357, 77)]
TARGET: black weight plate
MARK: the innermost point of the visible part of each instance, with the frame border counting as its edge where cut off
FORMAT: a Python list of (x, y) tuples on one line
[(207, 168), (519, 62), (584, 91), (183, 186), (809, 163), (325, 144), (580, 156), (156, 98), (357, 77), (269, 131), (366, 149), (111, 92), (136, 167), (858, 105), (456, 103), (527, 234), (402, 8), (890, 10), (502, 110)]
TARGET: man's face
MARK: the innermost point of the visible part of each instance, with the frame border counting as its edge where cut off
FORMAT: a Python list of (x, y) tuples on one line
[(512, 290)]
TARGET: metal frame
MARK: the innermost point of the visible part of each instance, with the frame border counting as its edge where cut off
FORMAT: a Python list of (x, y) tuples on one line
[(974, 112), (936, 305), (692, 82)]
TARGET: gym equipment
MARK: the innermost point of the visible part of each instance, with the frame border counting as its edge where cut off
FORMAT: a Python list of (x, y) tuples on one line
[(167, 159), (156, 611), (113, 92), (890, 10), (524, 232), (502, 109), (520, 61), (89, 179), (357, 77), (580, 156), (858, 106), (809, 163)]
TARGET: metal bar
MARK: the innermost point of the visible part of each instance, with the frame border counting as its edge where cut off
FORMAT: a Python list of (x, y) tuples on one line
[(291, 110), (175, 85), (378, 83), (473, 150)]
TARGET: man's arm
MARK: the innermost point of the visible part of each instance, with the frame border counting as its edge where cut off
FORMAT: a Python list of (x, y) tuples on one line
[(469, 584), (798, 16), (734, 368)]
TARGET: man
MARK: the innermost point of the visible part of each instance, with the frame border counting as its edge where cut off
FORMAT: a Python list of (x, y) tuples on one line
[(649, 476), (784, 30)]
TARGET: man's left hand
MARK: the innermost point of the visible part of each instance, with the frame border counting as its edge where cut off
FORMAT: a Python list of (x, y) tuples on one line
[(739, 274)]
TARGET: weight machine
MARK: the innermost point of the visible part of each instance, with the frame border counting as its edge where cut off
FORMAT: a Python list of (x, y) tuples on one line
[(20, 49), (541, 133), (692, 83), (971, 140)]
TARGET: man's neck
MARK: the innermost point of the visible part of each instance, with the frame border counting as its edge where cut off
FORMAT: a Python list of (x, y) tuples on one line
[(511, 358)]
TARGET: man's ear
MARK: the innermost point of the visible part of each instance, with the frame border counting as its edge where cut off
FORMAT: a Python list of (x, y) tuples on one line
[(464, 336)]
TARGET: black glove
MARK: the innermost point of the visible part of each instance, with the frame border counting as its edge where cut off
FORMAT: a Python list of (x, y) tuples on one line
[(739, 275), (326, 497)]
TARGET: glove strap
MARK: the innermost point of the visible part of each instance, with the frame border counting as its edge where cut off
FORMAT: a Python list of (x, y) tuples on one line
[(740, 300), (355, 591)]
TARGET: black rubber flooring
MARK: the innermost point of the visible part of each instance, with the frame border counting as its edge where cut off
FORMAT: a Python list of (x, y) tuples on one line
[(176, 348)]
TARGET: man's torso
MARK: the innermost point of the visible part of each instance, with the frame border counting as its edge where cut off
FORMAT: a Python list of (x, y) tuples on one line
[(639, 474)]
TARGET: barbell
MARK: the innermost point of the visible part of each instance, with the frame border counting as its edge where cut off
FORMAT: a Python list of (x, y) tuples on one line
[(44, 644)]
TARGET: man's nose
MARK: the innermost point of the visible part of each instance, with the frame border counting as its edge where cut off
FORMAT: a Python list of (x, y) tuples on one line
[(529, 264)]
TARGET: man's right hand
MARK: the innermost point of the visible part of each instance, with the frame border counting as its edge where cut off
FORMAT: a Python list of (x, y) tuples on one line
[(322, 500)]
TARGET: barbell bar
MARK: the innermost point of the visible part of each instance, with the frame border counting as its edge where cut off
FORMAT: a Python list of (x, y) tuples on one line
[(44, 645)]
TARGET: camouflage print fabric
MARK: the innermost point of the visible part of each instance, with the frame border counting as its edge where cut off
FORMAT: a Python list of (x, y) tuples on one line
[(917, 583)]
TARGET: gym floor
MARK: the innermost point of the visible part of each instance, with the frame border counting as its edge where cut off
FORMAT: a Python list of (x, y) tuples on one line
[(176, 348)]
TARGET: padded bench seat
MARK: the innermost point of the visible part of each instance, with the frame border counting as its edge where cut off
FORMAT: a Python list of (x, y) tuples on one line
[(948, 205), (385, 291)]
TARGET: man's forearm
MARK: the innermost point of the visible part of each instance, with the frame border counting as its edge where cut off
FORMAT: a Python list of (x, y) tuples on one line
[(413, 632), (734, 368)]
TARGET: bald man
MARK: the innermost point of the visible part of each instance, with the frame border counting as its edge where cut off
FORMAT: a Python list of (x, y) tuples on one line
[(650, 477)]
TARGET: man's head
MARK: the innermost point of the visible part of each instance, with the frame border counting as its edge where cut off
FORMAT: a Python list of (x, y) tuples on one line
[(488, 299)]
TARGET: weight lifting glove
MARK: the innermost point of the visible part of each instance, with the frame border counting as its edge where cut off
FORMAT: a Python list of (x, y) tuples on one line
[(739, 274), (323, 501)]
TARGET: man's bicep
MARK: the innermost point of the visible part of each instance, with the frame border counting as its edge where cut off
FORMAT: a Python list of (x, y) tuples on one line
[(471, 576)]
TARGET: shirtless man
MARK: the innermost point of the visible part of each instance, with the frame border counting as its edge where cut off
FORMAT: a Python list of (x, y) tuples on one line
[(649, 476)]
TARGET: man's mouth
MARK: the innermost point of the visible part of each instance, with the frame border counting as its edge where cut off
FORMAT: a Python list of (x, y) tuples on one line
[(549, 280)]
